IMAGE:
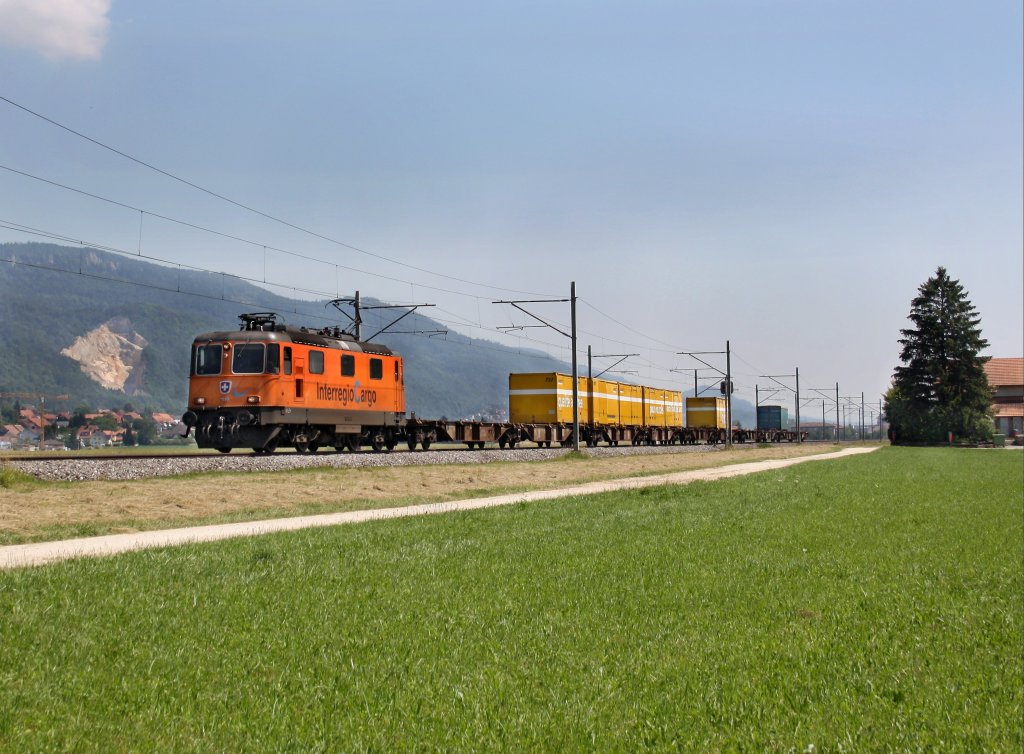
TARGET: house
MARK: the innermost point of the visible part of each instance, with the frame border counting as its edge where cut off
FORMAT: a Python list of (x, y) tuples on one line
[(113, 436), (91, 436), (1006, 378), (166, 421), (28, 438)]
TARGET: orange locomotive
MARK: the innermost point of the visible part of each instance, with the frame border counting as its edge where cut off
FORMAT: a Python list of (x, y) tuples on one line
[(269, 385)]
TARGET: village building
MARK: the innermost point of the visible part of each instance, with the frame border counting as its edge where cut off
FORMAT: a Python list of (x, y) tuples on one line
[(1006, 378)]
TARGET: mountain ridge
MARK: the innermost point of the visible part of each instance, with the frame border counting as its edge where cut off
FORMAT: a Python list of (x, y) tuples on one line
[(53, 296)]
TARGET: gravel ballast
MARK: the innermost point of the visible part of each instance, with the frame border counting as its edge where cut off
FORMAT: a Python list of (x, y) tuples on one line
[(141, 467)]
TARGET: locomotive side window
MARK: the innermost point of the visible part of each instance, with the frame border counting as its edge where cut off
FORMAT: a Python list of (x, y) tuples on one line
[(376, 369), (348, 365), (208, 359), (316, 362), (287, 359), (249, 358), (273, 358)]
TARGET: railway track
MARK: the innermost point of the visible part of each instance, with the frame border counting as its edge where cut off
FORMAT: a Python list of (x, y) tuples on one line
[(71, 468)]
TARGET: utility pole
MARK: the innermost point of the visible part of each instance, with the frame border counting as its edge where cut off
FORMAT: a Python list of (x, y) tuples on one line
[(572, 337), (837, 412), (575, 374), (357, 317), (728, 395), (862, 416), (799, 437), (728, 382), (796, 393)]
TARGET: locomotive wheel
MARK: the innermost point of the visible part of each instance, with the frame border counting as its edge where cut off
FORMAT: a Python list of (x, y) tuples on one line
[(391, 442), (314, 447), (223, 450), (411, 442), (425, 443), (302, 447), (377, 443)]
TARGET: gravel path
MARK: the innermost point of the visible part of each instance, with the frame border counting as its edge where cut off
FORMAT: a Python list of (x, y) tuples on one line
[(16, 556), (140, 467)]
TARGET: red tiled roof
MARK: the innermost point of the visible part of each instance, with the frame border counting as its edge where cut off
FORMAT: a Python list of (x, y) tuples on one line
[(1005, 372)]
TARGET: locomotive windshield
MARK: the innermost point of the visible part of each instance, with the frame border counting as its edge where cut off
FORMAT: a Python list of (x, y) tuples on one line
[(207, 359), (248, 358)]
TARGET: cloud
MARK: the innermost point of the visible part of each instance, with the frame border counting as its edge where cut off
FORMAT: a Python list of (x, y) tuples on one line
[(57, 29)]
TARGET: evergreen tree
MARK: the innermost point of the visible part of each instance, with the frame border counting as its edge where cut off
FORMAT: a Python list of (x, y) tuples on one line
[(941, 386)]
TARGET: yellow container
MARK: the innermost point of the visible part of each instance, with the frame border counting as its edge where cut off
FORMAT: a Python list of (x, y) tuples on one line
[(631, 405), (602, 404), (673, 408), (544, 398), (654, 407), (705, 412)]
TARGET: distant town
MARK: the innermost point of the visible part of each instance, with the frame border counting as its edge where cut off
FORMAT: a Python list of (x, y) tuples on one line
[(32, 428)]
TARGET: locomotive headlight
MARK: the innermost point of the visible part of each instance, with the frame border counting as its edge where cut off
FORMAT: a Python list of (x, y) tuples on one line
[(252, 399), (200, 401), (227, 347)]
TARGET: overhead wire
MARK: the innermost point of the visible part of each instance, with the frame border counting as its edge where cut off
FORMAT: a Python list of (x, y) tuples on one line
[(29, 230), (222, 234), (255, 211), (312, 233)]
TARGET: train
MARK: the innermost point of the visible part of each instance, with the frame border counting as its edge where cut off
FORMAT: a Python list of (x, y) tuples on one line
[(268, 385)]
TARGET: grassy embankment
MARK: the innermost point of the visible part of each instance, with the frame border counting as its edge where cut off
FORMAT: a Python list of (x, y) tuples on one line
[(869, 604), (32, 511)]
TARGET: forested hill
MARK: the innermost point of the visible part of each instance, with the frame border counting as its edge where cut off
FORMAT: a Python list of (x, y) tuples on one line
[(52, 297)]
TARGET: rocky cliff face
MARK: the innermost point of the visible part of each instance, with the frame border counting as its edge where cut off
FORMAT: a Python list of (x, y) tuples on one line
[(111, 355)]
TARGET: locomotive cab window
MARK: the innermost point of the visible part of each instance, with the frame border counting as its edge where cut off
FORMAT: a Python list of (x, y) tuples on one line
[(376, 369), (273, 358), (316, 362), (248, 358), (207, 359), (287, 359), (348, 365)]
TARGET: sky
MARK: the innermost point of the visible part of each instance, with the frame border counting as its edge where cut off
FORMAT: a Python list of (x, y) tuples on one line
[(782, 175)]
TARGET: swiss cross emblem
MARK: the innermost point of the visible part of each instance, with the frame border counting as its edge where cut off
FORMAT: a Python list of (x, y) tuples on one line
[(225, 387)]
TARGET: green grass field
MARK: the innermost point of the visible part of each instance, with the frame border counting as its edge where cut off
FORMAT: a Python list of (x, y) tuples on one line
[(869, 604)]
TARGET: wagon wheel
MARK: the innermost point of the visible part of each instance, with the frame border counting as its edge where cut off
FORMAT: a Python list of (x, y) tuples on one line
[(425, 443), (502, 442)]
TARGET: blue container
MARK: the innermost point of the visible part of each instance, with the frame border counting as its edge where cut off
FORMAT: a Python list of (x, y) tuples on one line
[(772, 417)]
